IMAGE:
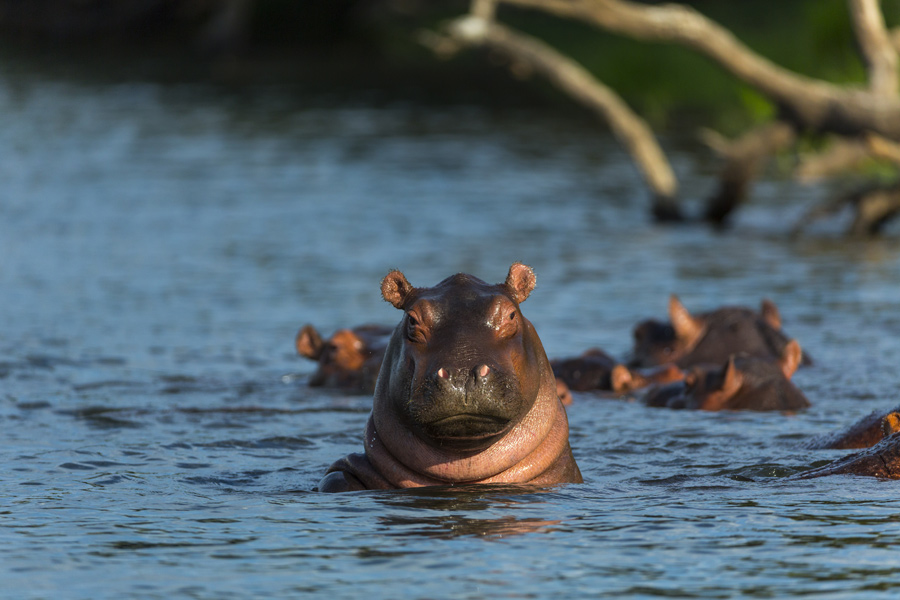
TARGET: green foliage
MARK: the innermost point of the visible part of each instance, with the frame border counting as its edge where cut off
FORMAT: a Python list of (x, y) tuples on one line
[(665, 82)]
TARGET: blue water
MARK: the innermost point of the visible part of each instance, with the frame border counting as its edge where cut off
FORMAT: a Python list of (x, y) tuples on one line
[(160, 245)]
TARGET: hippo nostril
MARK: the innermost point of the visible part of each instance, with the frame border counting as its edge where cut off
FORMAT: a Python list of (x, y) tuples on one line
[(483, 371), (443, 373)]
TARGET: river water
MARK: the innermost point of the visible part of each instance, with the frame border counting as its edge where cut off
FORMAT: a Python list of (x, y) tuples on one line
[(160, 245)]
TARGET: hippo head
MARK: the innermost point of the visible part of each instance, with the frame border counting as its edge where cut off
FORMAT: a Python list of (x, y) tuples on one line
[(689, 339), (463, 365), (746, 382), (339, 358), (349, 359)]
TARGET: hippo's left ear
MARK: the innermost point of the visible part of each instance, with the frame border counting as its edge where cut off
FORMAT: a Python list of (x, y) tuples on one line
[(520, 281), (395, 288), (732, 380)]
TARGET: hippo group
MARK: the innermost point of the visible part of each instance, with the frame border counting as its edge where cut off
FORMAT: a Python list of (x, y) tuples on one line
[(464, 393)]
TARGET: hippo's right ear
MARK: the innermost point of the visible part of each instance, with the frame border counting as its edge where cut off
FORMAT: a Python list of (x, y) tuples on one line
[(687, 328), (790, 359), (520, 281), (309, 343), (770, 313), (395, 288)]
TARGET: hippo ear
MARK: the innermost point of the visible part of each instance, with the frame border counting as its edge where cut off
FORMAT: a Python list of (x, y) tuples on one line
[(621, 379), (770, 313), (890, 424), (395, 288), (309, 343), (790, 358), (687, 328), (733, 379), (520, 281)]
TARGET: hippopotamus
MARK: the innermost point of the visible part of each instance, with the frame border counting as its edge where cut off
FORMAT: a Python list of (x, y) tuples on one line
[(349, 360), (597, 370), (465, 393), (743, 383), (881, 460), (709, 338), (864, 433)]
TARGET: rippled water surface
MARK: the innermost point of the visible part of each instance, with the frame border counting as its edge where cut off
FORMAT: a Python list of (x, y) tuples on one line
[(161, 245)]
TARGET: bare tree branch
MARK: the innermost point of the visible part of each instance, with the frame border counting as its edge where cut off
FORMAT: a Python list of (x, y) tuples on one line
[(810, 103), (840, 156), (882, 148), (875, 44), (746, 157), (575, 81)]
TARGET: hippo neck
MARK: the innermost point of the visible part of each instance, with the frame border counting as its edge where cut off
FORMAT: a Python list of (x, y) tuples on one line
[(531, 447)]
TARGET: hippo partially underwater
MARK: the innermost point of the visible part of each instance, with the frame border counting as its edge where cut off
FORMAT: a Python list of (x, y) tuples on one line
[(465, 394), (742, 383), (349, 360), (709, 338)]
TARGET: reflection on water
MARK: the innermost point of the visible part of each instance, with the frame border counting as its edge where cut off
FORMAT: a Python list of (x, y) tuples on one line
[(161, 245)]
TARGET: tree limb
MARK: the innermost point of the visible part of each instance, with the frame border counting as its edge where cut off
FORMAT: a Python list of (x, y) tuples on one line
[(575, 81), (745, 158), (811, 104), (875, 45), (840, 156)]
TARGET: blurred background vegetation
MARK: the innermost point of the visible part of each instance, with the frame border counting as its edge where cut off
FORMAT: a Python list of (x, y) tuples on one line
[(371, 45)]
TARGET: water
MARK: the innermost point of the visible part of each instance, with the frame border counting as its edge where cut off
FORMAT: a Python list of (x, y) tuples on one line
[(160, 245)]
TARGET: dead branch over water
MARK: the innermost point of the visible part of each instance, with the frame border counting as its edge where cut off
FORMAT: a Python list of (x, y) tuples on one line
[(864, 121)]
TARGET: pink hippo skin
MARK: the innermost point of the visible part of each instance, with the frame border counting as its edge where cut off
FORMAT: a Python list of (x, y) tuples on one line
[(709, 338), (465, 394), (349, 360)]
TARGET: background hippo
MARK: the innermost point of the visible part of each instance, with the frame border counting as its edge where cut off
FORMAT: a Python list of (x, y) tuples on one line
[(465, 394), (864, 433), (597, 370), (743, 383), (881, 460), (709, 338), (350, 359)]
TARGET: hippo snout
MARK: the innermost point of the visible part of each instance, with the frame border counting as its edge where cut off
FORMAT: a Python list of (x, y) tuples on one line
[(463, 381)]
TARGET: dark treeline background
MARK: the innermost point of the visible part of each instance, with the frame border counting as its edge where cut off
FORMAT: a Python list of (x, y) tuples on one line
[(372, 44)]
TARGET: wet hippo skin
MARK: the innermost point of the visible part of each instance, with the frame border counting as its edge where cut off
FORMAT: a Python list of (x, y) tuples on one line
[(864, 433), (881, 460), (465, 393)]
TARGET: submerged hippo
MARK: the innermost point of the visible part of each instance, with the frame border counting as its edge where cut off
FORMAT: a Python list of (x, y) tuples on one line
[(597, 370), (881, 460), (350, 359), (709, 338), (743, 383), (465, 393), (864, 433)]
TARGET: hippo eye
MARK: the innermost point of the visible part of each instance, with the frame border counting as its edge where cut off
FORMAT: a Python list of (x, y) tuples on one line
[(512, 316), (414, 330)]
